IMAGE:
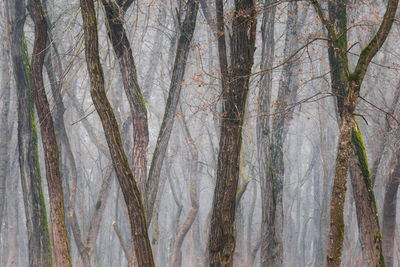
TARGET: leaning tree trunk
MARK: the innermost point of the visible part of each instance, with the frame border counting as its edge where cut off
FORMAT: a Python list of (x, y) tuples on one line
[(350, 145), (59, 232), (221, 242), (39, 244), (133, 199), (114, 11)]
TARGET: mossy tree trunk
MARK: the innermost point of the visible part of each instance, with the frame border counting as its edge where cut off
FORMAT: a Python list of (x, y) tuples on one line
[(59, 232), (114, 11), (130, 190), (39, 244), (351, 149), (235, 86)]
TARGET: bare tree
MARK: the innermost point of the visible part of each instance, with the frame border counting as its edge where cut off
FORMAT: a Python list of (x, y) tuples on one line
[(235, 86), (59, 232), (39, 245), (140, 240), (351, 148)]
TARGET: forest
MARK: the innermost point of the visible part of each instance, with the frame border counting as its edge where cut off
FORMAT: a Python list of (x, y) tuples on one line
[(199, 133)]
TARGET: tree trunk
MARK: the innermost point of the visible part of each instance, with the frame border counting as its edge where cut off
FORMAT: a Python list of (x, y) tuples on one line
[(59, 232), (389, 210), (12, 211), (336, 233), (272, 249), (187, 29), (4, 130), (324, 215), (263, 123), (176, 258), (39, 245), (114, 11), (364, 198), (221, 242), (350, 134), (133, 199)]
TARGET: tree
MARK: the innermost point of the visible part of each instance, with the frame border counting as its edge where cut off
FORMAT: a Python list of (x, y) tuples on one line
[(4, 116), (114, 11), (182, 51), (272, 137), (350, 145), (389, 209), (39, 246), (59, 232), (235, 86), (140, 240)]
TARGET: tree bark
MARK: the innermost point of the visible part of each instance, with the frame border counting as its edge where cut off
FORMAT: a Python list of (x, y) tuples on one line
[(366, 209), (114, 11), (39, 244), (263, 124), (59, 232), (133, 199), (235, 86), (187, 29), (176, 258), (4, 130), (389, 210), (324, 215), (272, 248), (350, 134)]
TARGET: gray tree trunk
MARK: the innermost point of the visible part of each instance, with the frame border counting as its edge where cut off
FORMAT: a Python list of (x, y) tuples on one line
[(39, 246), (272, 182)]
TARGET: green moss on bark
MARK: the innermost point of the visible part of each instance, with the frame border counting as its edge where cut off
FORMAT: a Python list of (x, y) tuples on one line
[(44, 231), (362, 157)]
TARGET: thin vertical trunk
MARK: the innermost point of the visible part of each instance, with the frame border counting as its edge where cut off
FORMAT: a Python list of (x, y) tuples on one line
[(176, 258), (182, 51), (250, 224), (39, 246), (4, 129), (12, 206), (133, 199), (59, 232), (149, 80), (235, 86), (272, 252), (324, 215), (389, 210), (263, 120)]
